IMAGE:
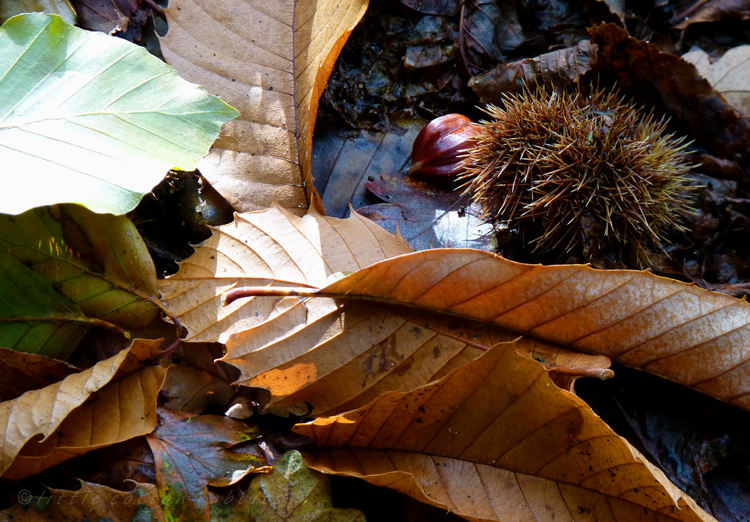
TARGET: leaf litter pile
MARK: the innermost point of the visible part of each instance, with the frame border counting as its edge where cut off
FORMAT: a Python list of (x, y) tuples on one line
[(288, 348)]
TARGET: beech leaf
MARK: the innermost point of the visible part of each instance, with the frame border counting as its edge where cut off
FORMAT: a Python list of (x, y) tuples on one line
[(334, 356), (496, 440), (90, 502), (76, 269), (272, 62), (45, 427), (85, 118)]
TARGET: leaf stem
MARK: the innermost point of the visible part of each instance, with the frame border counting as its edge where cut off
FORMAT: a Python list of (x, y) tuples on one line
[(63, 319)]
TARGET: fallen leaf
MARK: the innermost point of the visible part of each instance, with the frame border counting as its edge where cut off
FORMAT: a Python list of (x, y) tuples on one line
[(730, 75), (71, 269), (193, 451), (336, 357), (272, 61), (34, 317), (672, 329), (193, 390), (90, 502), (263, 247), (496, 440), (100, 125), (64, 8), (699, 11), (343, 162), (44, 427), (292, 492), (558, 68), (635, 67), (22, 372)]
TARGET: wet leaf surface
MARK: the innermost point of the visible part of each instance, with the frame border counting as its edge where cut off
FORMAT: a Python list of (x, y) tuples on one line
[(191, 452)]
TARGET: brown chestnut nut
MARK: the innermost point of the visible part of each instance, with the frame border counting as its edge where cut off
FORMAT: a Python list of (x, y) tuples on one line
[(436, 154)]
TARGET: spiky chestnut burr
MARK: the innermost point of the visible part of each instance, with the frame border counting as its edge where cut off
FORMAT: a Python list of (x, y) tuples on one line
[(570, 169)]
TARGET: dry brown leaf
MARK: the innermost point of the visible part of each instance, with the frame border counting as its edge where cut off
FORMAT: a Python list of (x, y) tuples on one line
[(261, 248), (270, 60), (345, 357), (729, 76), (690, 12), (559, 68), (676, 330), (44, 427), (21, 372), (192, 390), (496, 440), (636, 68), (335, 357), (90, 502)]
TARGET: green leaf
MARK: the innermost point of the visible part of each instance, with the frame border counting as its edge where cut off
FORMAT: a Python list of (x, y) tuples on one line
[(34, 317), (91, 119), (294, 493), (93, 265)]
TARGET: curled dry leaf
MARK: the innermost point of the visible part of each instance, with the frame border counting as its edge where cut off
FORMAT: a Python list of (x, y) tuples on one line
[(730, 75), (44, 427), (272, 62), (22, 372), (496, 440), (90, 502), (558, 69), (676, 330), (637, 67)]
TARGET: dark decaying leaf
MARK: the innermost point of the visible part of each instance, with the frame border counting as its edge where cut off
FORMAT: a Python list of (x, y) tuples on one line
[(558, 69), (638, 69), (21, 372), (292, 492), (191, 452), (696, 11), (434, 7)]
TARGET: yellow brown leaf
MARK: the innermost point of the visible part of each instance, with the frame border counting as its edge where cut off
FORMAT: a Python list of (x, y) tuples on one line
[(497, 440), (44, 427), (270, 60)]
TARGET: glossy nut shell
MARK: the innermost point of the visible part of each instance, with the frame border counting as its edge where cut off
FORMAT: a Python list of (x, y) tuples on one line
[(436, 153)]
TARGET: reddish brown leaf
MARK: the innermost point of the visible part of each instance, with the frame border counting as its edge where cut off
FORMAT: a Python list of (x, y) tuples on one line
[(637, 68), (686, 334), (558, 68)]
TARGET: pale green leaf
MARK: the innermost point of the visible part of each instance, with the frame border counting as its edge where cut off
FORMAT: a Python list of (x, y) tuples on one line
[(98, 262), (64, 8), (91, 119)]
